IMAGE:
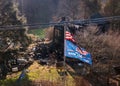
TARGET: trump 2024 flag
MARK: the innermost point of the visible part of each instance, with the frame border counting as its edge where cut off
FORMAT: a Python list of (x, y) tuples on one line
[(73, 51)]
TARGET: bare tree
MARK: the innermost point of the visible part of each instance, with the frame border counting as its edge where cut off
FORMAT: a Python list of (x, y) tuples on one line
[(70, 8), (9, 13), (76, 9), (112, 8), (38, 11)]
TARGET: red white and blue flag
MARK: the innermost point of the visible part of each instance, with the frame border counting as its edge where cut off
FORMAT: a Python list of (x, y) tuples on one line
[(73, 51)]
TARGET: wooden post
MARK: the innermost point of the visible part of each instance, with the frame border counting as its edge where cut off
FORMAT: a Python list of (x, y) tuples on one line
[(65, 27)]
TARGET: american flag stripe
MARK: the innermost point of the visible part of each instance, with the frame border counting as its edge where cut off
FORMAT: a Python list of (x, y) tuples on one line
[(68, 36)]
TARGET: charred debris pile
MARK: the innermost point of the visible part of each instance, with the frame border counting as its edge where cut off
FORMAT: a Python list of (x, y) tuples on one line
[(14, 53)]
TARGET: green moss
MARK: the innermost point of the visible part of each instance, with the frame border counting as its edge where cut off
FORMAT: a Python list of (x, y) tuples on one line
[(38, 32), (33, 75), (8, 82)]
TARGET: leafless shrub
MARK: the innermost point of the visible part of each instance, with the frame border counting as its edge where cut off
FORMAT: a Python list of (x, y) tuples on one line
[(105, 51), (101, 46)]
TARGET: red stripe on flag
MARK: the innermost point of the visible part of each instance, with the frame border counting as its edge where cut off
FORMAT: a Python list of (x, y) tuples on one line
[(68, 36), (83, 52)]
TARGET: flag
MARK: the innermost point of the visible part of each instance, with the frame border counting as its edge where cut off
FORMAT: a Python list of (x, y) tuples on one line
[(73, 51)]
